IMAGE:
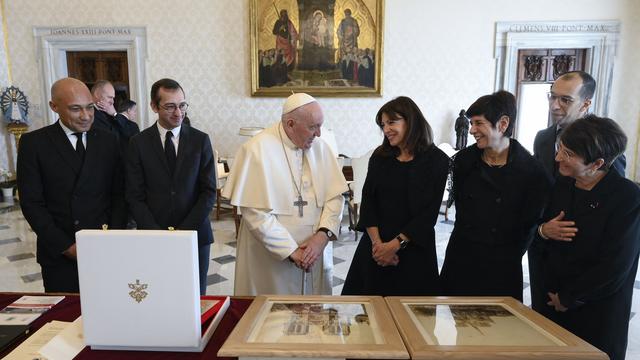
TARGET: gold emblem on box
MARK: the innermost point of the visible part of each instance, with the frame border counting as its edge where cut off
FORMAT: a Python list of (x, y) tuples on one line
[(138, 293)]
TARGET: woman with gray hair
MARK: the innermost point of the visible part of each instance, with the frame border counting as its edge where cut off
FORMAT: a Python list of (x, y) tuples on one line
[(592, 237)]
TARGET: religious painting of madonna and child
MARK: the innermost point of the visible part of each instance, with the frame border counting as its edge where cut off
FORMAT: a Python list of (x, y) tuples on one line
[(322, 47)]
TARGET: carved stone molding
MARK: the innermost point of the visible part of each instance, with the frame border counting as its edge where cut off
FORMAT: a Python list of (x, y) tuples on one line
[(600, 38), (52, 44)]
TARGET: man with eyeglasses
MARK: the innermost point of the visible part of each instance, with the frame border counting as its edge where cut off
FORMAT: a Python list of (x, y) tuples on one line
[(171, 180), (569, 100)]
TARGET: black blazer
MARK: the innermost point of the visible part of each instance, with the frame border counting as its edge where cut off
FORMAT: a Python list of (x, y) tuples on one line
[(495, 221), (425, 184), (594, 274), (157, 200), (544, 149), (494, 215), (59, 195), (119, 125), (400, 198)]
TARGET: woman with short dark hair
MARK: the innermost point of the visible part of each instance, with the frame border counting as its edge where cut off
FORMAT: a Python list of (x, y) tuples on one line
[(400, 202), (499, 191), (591, 237)]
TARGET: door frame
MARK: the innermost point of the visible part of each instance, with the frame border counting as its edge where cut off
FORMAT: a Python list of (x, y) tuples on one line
[(52, 44), (600, 38)]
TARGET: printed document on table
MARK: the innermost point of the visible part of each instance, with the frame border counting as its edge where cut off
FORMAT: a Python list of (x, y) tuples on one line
[(29, 348), (67, 344)]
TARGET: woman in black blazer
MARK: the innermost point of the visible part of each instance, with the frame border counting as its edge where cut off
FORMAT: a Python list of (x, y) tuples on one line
[(400, 202), (591, 237), (499, 191)]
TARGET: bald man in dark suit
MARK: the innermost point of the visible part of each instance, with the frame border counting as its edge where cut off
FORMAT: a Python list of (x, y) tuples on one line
[(107, 118), (70, 178)]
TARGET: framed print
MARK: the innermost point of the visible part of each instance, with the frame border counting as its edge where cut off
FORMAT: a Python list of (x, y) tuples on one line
[(316, 326), (321, 47), (482, 328)]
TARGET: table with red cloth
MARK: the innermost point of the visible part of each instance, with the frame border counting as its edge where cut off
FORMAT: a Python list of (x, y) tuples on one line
[(69, 310)]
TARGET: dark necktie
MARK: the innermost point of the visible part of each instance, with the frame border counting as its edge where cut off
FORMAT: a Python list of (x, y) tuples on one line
[(79, 146), (558, 132), (170, 152)]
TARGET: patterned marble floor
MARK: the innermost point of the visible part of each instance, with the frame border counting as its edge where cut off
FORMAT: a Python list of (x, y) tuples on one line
[(20, 272)]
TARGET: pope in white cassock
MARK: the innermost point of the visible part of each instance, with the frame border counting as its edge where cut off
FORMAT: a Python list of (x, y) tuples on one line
[(289, 187)]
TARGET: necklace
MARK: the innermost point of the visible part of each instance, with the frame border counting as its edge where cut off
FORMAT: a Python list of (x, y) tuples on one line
[(499, 163), (300, 203)]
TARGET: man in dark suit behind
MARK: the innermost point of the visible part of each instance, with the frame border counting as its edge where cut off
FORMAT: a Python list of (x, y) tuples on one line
[(169, 188), (106, 116), (569, 100), (70, 178), (128, 110)]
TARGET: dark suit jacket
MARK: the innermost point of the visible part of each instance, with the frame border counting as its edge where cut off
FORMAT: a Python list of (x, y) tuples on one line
[(59, 195), (544, 149), (119, 125), (594, 274), (158, 200), (495, 220)]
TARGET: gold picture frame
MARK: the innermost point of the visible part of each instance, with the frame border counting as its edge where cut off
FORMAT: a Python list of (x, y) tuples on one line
[(321, 47), (482, 328), (316, 326)]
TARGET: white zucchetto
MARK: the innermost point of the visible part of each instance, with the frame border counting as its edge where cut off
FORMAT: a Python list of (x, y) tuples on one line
[(295, 101)]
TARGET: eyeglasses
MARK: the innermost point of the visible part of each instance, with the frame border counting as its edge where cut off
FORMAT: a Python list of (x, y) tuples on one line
[(564, 100), (172, 107), (566, 154)]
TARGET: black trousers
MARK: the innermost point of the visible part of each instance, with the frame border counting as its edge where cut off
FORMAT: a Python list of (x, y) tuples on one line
[(203, 262), (61, 277)]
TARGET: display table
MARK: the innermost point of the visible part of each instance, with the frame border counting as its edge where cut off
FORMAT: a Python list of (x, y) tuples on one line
[(69, 309), (480, 328)]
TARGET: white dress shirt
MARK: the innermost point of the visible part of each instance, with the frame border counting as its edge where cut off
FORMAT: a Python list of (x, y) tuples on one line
[(175, 138), (72, 138)]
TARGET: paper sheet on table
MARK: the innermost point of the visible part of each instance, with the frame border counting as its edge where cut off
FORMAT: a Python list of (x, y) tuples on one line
[(65, 345), (17, 319), (29, 348)]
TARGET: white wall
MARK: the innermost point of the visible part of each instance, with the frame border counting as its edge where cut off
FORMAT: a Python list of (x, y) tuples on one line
[(7, 147), (439, 53), (625, 99)]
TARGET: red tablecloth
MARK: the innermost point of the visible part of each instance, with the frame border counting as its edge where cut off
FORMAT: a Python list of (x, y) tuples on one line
[(69, 309)]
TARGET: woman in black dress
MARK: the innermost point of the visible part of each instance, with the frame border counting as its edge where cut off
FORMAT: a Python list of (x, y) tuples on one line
[(591, 237), (400, 201), (499, 191)]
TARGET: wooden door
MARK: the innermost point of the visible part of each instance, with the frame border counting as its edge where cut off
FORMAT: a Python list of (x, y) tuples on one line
[(543, 66), (91, 66)]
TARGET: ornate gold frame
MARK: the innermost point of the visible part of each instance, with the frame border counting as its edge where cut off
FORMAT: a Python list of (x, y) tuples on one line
[(567, 345), (327, 91), (240, 343)]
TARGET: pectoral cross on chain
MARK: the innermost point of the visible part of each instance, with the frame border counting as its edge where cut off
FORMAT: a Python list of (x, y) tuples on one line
[(300, 203)]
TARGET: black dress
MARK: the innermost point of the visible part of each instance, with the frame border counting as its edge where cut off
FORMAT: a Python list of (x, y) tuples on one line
[(594, 274), (497, 211), (400, 197)]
